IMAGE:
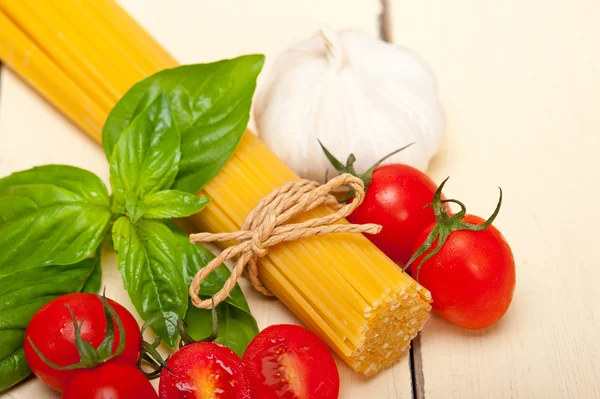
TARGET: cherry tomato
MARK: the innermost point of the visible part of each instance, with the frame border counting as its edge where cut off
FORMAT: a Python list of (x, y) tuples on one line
[(52, 331), (396, 199), (288, 361), (471, 278), (110, 381), (204, 370)]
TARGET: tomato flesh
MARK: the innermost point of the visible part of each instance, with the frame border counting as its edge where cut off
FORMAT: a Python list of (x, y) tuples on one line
[(204, 370), (110, 381), (471, 278), (290, 362), (285, 373), (52, 331), (396, 200)]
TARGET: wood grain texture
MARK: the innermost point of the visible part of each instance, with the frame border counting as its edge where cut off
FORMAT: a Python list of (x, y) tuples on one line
[(32, 133), (520, 82)]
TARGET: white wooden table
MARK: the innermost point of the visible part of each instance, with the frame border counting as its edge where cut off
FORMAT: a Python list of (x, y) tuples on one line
[(520, 82)]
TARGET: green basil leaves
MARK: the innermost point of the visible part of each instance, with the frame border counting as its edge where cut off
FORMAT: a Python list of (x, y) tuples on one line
[(165, 139), (145, 159), (171, 204), (51, 215), (150, 265), (168, 136), (93, 284), (210, 106), (143, 167), (144, 164), (51, 219)]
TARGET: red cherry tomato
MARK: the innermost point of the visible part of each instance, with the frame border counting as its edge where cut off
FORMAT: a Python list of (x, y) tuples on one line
[(471, 278), (110, 381), (288, 361), (52, 331), (396, 199), (204, 370)]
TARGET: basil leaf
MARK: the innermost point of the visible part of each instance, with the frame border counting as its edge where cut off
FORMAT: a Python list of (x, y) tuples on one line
[(94, 281), (211, 108), (51, 214), (215, 281), (146, 157), (171, 204), (150, 263), (22, 294), (237, 326)]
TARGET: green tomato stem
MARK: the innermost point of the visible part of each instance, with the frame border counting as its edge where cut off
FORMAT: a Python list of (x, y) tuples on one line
[(187, 339), (366, 177), (445, 225)]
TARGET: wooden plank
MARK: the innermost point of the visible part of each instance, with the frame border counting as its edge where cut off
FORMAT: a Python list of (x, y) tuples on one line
[(32, 133), (520, 83)]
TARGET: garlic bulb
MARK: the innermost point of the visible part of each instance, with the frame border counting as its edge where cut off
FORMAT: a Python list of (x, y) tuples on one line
[(354, 93)]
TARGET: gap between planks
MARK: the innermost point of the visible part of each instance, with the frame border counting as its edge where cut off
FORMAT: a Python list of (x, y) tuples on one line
[(416, 369), (385, 22)]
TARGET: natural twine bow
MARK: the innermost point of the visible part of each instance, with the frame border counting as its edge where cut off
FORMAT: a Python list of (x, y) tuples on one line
[(265, 226)]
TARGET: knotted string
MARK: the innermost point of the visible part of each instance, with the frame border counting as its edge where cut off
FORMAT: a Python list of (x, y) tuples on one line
[(266, 226)]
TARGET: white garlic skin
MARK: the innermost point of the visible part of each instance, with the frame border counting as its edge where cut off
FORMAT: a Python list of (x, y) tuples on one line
[(354, 93)]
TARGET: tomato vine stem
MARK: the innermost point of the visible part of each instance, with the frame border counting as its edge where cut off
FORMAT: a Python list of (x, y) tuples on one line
[(149, 352), (366, 177), (186, 339), (446, 223)]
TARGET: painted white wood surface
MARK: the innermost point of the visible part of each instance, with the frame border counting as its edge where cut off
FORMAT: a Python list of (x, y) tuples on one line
[(520, 81), (32, 133)]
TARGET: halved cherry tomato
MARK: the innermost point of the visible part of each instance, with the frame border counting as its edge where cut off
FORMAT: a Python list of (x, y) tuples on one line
[(204, 370), (289, 361), (110, 381), (52, 331)]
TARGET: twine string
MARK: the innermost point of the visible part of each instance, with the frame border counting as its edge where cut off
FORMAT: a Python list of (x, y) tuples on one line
[(267, 225)]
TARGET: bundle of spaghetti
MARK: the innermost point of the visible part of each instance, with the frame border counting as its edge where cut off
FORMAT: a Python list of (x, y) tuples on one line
[(83, 55)]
